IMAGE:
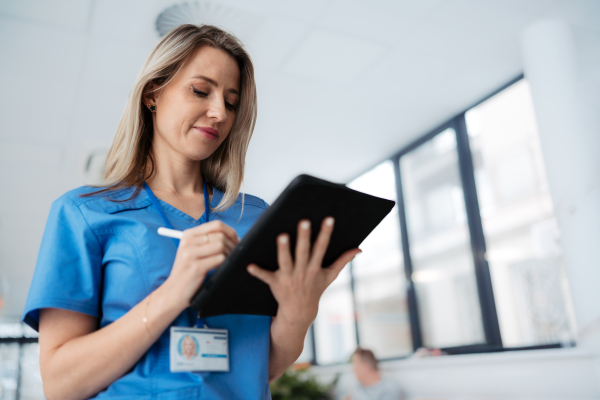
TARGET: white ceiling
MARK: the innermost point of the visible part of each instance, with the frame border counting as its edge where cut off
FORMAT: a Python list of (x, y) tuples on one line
[(342, 85)]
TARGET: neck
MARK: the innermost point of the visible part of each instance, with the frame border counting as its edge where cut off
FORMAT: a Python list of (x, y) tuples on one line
[(174, 173)]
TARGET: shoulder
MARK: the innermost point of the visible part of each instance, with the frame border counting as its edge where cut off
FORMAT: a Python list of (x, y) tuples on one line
[(252, 201), (87, 199), (388, 386)]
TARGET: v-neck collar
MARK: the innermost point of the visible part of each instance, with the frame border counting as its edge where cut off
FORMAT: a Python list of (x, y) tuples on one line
[(180, 215)]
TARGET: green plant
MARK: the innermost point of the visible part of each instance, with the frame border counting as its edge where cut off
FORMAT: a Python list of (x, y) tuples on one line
[(297, 385)]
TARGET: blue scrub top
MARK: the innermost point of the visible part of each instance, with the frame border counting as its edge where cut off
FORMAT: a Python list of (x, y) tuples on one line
[(101, 257)]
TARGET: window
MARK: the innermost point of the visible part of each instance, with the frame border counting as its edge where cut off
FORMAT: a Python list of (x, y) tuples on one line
[(521, 231), (335, 333), (379, 281), (440, 245), (19, 363), (469, 259)]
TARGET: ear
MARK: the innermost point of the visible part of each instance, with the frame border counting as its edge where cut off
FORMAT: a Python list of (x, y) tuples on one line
[(150, 94)]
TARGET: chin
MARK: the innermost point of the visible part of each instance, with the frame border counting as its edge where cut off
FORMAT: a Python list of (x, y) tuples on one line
[(198, 153)]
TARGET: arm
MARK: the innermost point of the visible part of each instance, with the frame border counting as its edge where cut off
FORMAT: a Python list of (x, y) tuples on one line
[(287, 342), (77, 361), (297, 286)]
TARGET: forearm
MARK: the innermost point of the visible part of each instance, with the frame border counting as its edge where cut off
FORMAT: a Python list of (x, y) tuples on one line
[(87, 364), (287, 342)]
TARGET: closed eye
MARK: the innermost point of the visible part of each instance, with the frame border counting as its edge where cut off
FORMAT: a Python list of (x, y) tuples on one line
[(199, 93)]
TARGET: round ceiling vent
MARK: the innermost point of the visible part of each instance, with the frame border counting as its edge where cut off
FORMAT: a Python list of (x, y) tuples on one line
[(241, 23)]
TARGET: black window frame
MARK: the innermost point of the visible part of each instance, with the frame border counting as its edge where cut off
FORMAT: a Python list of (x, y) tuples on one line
[(485, 291)]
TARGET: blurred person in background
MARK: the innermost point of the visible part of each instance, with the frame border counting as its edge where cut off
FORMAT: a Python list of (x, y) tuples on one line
[(371, 385)]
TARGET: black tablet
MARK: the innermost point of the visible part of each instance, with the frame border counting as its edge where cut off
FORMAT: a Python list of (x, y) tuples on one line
[(232, 290)]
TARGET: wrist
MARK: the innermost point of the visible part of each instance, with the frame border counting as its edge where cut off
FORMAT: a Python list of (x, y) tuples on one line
[(168, 300), (294, 323)]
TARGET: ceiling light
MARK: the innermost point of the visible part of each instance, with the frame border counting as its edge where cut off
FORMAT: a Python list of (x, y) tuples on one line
[(241, 23)]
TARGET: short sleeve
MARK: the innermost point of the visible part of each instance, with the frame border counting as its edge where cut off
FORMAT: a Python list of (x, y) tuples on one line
[(68, 272)]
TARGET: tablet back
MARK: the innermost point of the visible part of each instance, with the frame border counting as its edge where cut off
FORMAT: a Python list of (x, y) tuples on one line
[(232, 290)]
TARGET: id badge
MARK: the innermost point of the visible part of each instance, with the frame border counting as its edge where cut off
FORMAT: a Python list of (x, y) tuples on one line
[(199, 349)]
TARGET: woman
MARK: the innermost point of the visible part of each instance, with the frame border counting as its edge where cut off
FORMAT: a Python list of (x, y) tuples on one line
[(188, 348), (107, 288)]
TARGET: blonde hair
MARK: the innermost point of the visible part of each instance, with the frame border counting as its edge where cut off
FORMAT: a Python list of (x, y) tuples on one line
[(126, 162)]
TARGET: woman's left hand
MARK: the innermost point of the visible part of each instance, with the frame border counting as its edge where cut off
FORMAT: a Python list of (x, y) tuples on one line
[(299, 283)]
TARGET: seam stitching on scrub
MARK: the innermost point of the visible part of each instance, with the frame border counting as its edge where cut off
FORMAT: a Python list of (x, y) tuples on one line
[(251, 205), (140, 266), (89, 227), (248, 204), (132, 204), (85, 200), (113, 209), (137, 252)]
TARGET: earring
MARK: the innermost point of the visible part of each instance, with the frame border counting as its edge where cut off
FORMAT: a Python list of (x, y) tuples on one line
[(151, 107)]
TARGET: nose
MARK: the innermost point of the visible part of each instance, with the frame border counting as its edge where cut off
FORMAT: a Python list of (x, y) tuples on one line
[(217, 110)]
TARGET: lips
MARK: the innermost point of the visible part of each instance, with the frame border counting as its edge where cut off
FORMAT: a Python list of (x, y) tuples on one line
[(209, 133)]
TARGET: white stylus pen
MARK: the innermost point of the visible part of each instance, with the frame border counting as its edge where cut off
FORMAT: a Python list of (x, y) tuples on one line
[(172, 233)]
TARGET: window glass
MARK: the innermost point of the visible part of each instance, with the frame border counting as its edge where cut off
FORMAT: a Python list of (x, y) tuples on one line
[(30, 386), (19, 364), (443, 269), (521, 232), (379, 280), (9, 368), (307, 351), (335, 333)]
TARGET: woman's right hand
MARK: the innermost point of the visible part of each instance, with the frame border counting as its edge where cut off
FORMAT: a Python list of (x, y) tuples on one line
[(201, 249)]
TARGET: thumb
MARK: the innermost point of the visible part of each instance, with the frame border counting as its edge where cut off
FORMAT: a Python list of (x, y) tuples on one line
[(334, 269), (267, 277)]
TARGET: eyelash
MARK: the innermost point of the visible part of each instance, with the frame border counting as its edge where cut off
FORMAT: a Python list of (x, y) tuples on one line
[(198, 93)]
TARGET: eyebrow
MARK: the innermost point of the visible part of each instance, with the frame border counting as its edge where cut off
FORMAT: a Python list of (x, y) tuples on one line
[(214, 83)]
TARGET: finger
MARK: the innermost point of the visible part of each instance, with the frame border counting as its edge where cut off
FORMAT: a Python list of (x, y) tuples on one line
[(218, 237), (210, 249), (267, 277), (334, 269), (230, 245), (284, 257), (322, 242), (211, 240), (206, 264), (303, 244), (213, 226)]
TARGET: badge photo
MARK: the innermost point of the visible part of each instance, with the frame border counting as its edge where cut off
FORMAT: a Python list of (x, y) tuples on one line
[(188, 347)]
